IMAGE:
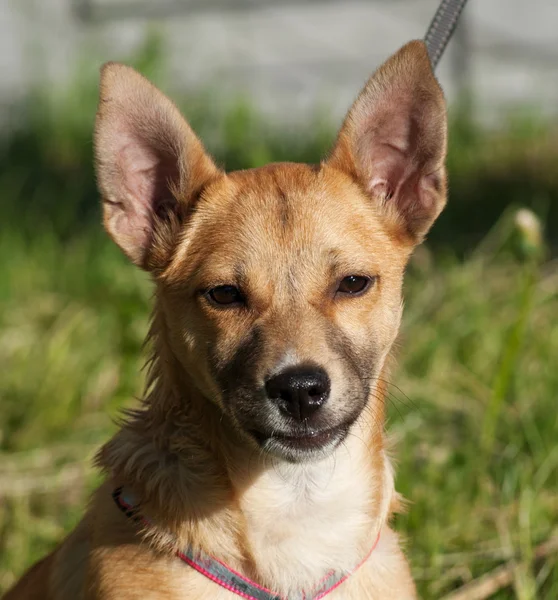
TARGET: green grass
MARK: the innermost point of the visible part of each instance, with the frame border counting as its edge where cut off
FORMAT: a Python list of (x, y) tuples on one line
[(72, 320), (470, 337)]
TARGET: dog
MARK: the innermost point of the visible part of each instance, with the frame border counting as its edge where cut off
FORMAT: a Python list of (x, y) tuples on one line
[(256, 465)]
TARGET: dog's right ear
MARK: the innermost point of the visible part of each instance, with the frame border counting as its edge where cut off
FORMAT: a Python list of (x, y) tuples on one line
[(394, 140), (150, 165)]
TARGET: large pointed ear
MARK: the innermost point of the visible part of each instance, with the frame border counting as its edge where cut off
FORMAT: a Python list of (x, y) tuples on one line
[(394, 138), (150, 165)]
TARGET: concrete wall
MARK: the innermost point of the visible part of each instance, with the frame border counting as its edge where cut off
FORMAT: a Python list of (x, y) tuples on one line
[(290, 57)]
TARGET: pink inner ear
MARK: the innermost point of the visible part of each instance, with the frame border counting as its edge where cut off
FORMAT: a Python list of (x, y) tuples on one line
[(393, 157), (142, 185), (387, 168), (137, 163), (385, 149), (399, 179), (146, 177)]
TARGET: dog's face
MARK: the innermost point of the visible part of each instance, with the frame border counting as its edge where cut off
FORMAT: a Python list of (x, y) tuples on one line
[(279, 287), (284, 298)]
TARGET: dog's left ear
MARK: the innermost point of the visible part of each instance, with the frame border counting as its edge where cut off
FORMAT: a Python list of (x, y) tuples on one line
[(394, 139), (150, 166)]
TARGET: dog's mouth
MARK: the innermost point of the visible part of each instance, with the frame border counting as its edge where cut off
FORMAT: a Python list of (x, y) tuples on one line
[(300, 445)]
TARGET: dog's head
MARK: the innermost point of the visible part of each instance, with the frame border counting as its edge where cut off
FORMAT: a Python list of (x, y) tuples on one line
[(280, 287)]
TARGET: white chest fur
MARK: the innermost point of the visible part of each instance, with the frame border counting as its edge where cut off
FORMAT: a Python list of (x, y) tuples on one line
[(303, 520)]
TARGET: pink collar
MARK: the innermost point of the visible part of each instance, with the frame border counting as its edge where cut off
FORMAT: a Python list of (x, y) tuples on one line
[(226, 577)]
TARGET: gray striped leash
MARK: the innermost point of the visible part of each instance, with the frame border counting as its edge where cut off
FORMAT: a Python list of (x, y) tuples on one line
[(442, 27)]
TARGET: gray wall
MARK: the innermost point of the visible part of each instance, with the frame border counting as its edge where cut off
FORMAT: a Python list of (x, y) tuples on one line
[(291, 57)]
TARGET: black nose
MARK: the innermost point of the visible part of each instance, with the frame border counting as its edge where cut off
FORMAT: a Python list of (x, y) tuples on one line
[(299, 391)]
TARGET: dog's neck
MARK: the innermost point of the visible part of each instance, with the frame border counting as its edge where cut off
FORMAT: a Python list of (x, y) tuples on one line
[(279, 523)]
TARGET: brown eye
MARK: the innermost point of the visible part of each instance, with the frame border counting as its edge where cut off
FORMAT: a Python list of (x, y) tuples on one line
[(354, 285), (225, 295)]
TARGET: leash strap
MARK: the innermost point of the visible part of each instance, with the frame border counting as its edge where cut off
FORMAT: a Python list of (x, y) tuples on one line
[(442, 27), (226, 577)]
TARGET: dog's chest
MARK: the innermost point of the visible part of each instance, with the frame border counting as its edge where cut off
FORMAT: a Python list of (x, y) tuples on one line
[(302, 524)]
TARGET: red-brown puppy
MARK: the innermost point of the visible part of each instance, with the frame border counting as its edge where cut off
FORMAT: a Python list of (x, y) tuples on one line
[(255, 466)]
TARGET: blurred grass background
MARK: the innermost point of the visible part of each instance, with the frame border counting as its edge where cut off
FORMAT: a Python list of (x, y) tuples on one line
[(473, 401)]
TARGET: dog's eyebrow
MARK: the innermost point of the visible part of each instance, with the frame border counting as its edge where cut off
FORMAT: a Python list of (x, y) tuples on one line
[(239, 271), (234, 275), (341, 264)]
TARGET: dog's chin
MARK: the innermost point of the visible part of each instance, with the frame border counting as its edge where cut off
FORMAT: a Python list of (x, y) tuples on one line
[(304, 446)]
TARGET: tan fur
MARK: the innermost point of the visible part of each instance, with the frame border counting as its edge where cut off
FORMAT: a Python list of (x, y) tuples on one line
[(285, 234)]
